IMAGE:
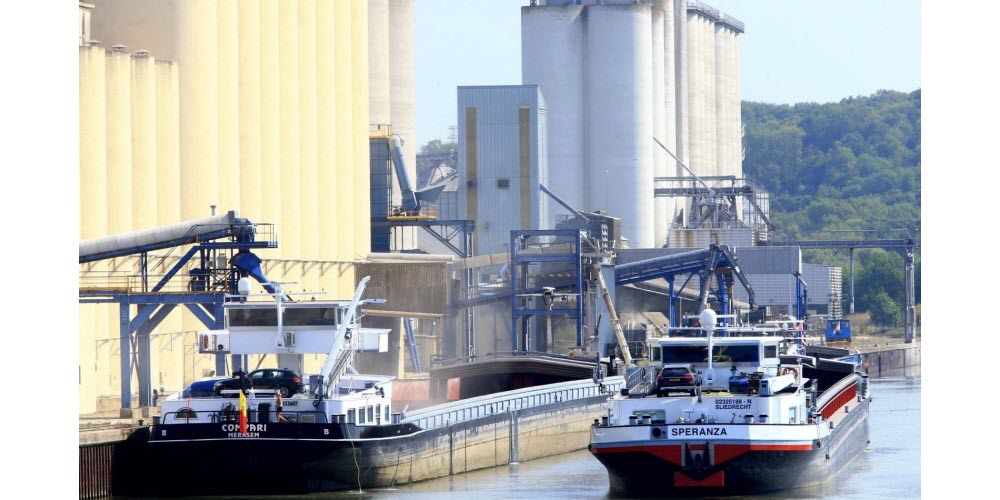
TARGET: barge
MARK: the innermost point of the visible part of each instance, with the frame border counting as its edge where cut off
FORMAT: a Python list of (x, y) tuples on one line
[(770, 414)]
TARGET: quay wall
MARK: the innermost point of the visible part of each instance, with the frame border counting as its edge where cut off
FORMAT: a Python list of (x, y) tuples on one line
[(885, 359)]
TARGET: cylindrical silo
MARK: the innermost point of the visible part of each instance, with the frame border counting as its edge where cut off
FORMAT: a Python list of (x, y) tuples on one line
[(402, 100), (660, 205), (119, 139), (144, 189), (345, 147), (229, 105), (288, 87), (307, 139), (670, 102), (359, 79), (250, 109), (553, 41), (696, 91), (270, 98), (722, 84), (681, 95), (736, 103), (168, 211), (93, 204), (326, 141), (197, 53), (711, 118), (197, 56), (378, 62), (620, 118)]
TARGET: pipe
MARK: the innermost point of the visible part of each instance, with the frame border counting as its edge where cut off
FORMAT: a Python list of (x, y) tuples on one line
[(619, 334), (409, 200), (156, 238)]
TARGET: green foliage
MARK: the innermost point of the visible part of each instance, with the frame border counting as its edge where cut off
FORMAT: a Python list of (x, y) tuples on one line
[(848, 165), (884, 311), (438, 146), (854, 164)]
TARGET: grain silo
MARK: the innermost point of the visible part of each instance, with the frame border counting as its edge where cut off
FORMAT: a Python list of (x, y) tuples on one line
[(402, 99), (661, 206), (619, 116), (229, 95), (378, 62), (553, 45), (309, 190), (143, 129), (249, 81)]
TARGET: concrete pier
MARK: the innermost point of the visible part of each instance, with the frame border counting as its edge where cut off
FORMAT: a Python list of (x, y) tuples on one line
[(880, 360)]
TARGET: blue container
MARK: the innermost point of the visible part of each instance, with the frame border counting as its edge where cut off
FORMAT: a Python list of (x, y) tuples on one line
[(738, 385), (838, 329)]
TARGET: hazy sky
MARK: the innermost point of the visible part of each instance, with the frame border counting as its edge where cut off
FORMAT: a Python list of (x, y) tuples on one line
[(793, 50)]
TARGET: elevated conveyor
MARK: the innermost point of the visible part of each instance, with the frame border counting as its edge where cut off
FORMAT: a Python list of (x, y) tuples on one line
[(227, 226)]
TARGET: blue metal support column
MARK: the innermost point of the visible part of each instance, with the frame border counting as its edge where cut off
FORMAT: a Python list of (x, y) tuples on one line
[(124, 351), (723, 298), (520, 267), (142, 344), (671, 309)]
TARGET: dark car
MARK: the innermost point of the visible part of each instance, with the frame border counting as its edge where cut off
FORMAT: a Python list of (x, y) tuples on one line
[(285, 382), (677, 378), (204, 388)]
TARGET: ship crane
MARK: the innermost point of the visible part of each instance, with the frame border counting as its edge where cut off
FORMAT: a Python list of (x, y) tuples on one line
[(345, 343)]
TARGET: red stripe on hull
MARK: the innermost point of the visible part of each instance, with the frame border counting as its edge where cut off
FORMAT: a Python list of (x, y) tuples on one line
[(671, 454), (715, 480), (723, 452), (845, 396)]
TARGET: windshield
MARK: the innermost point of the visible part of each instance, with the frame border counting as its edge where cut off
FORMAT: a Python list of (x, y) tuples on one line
[(699, 354)]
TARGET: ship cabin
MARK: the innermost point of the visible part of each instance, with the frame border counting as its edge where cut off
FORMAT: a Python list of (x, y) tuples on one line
[(746, 357)]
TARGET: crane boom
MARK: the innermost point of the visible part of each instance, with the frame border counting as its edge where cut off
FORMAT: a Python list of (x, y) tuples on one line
[(619, 334), (344, 345)]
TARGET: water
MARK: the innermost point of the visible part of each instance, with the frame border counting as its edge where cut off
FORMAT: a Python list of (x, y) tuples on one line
[(889, 468)]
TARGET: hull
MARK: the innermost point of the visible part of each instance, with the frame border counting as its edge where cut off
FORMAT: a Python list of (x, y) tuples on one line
[(682, 468), (304, 458)]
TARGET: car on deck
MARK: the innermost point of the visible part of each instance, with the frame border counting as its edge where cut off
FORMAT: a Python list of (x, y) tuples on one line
[(285, 382), (677, 378)]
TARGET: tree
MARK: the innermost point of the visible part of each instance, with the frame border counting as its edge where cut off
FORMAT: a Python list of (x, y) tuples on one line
[(437, 146), (882, 273), (884, 311)]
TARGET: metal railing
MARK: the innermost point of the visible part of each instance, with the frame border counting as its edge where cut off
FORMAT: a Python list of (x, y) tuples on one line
[(516, 400), (232, 416)]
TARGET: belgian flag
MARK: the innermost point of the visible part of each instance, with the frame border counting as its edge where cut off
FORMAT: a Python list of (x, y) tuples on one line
[(243, 413)]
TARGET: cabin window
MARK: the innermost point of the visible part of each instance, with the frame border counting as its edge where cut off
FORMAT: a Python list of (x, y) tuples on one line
[(770, 351), (311, 316), (387, 414), (186, 413), (350, 416), (654, 354), (721, 353), (371, 414), (378, 414), (361, 415), (793, 413)]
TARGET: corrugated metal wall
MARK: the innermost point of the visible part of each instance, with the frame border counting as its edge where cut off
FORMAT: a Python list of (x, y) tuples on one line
[(503, 198), (397, 283)]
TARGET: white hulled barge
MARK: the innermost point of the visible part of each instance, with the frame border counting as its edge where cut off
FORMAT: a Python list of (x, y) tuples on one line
[(770, 414)]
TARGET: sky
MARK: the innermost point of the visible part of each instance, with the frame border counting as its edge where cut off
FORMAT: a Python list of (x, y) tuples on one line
[(792, 51)]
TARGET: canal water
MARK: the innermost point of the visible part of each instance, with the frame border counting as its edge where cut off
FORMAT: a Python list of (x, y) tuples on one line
[(889, 468)]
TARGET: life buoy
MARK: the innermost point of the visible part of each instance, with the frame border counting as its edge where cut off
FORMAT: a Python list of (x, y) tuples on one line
[(791, 370)]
